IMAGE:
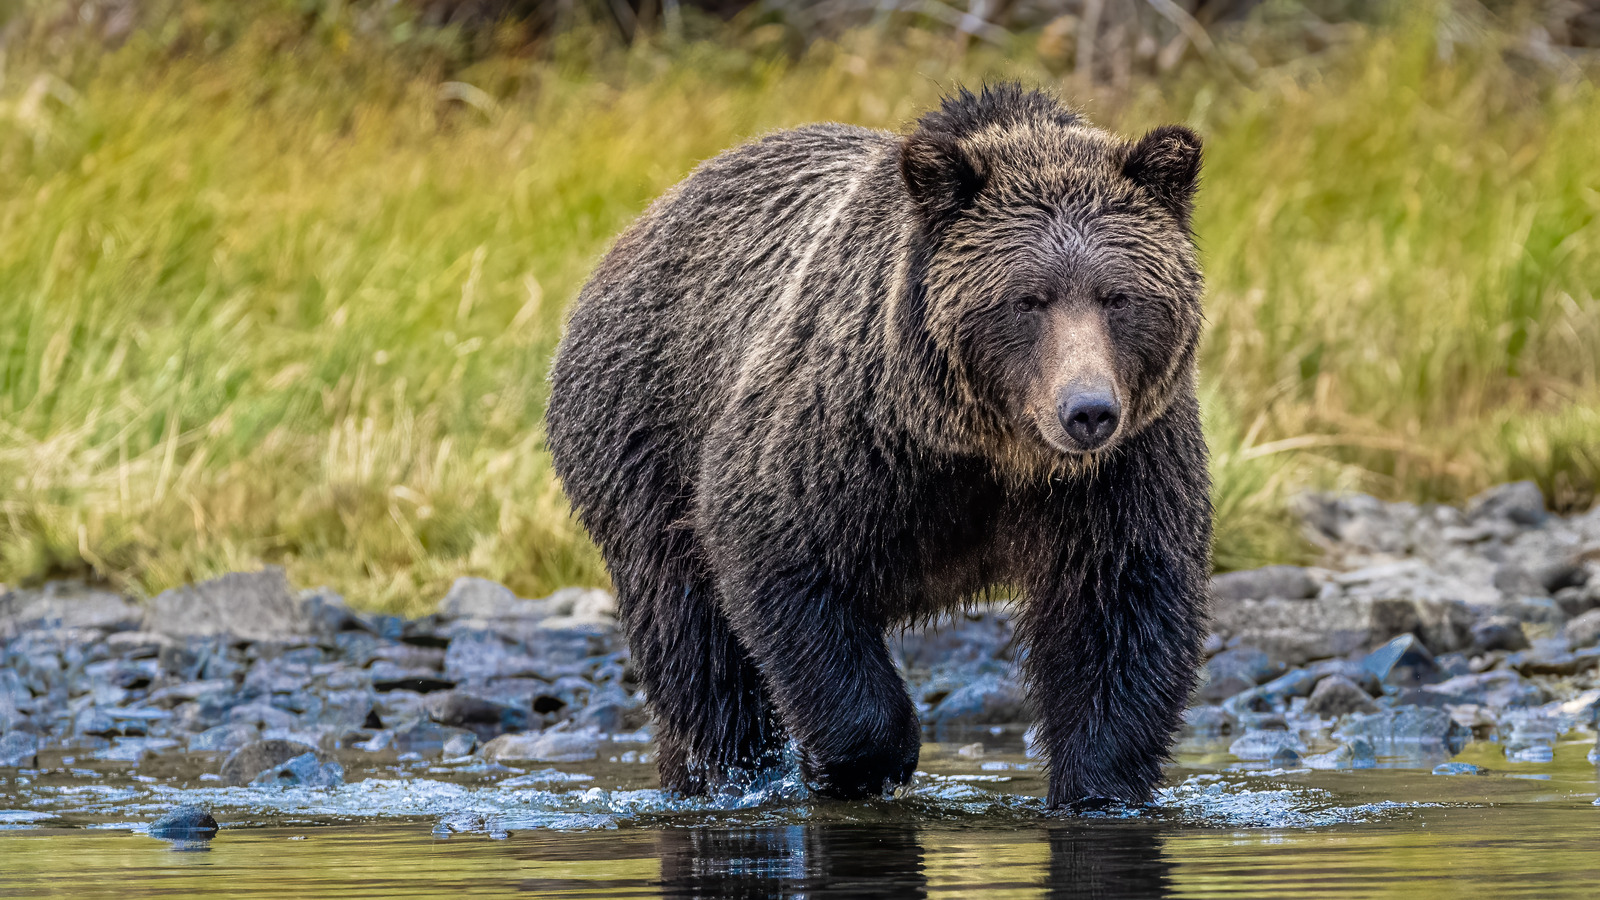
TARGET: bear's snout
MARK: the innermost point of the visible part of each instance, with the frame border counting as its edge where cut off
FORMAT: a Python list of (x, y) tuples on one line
[(1089, 416)]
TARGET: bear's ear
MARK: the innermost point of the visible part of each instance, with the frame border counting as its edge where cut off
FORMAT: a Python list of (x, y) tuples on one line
[(941, 177), (1166, 162)]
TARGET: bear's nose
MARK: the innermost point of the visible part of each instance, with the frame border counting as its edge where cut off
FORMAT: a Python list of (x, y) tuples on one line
[(1090, 417)]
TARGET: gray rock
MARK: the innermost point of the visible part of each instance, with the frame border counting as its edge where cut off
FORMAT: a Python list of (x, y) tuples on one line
[(1356, 753), (256, 757), (482, 655), (459, 746), (64, 605), (1298, 631), (1554, 660), (550, 746), (1282, 582), (1584, 631), (305, 770), (1235, 670), (611, 710), (483, 716), (1520, 502), (223, 738), (1513, 580), (576, 607), (1562, 575), (1285, 758), (1499, 633), (18, 749), (988, 700), (251, 605), (957, 639), (1263, 745), (1337, 696), (1498, 689), (1405, 726), (424, 738), (185, 823), (1209, 720), (479, 598), (1532, 610), (1529, 736), (1403, 661), (1574, 602)]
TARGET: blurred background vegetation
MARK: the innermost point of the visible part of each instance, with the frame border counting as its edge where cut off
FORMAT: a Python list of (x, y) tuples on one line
[(280, 280)]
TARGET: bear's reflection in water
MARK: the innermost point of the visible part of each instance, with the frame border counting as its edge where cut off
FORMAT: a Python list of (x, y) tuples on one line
[(1091, 861), (1086, 861)]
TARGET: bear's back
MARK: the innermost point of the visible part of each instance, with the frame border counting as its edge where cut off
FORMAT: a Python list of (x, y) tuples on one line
[(658, 336)]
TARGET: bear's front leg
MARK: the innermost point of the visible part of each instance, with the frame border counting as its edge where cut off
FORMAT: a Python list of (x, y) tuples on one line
[(1113, 645), (825, 662), (1117, 606)]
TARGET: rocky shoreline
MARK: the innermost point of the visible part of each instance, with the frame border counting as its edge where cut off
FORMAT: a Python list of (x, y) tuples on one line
[(1426, 628)]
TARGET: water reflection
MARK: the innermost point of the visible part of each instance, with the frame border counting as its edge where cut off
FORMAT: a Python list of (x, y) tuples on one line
[(792, 862), (1098, 860), (1106, 860)]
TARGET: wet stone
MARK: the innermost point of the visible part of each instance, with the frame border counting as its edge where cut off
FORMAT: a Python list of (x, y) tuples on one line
[(424, 738), (550, 746), (305, 770), (1458, 768), (611, 710), (18, 749), (1263, 745), (1403, 661), (1356, 753), (245, 763), (1336, 696), (1405, 726), (1498, 689), (185, 823), (484, 717), (1285, 758), (958, 639), (460, 745), (989, 700), (1236, 670)]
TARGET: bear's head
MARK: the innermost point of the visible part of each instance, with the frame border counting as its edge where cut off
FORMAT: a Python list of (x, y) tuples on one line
[(1056, 271)]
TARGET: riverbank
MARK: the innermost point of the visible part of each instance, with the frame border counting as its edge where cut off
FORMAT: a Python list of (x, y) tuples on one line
[(1426, 631)]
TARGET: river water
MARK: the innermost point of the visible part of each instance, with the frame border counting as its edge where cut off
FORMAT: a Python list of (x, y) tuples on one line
[(970, 826)]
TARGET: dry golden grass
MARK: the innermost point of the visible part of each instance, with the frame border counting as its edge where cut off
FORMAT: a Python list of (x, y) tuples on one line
[(292, 299)]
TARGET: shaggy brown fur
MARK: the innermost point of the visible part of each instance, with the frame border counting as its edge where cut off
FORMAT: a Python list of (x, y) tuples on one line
[(839, 379)]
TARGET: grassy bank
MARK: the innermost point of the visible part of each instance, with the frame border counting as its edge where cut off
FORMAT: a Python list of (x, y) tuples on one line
[(292, 299)]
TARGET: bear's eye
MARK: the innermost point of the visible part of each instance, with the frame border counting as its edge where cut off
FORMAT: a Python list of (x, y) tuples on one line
[(1116, 301), (1028, 304)]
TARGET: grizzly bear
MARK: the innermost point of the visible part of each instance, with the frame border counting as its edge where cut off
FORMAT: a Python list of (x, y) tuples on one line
[(839, 379)]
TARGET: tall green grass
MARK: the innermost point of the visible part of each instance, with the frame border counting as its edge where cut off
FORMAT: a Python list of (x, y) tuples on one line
[(291, 298)]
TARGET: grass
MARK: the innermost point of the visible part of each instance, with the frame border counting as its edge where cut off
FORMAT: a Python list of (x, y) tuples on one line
[(291, 298)]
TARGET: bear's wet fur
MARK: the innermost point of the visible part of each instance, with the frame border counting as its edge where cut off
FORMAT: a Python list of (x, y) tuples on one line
[(840, 379)]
